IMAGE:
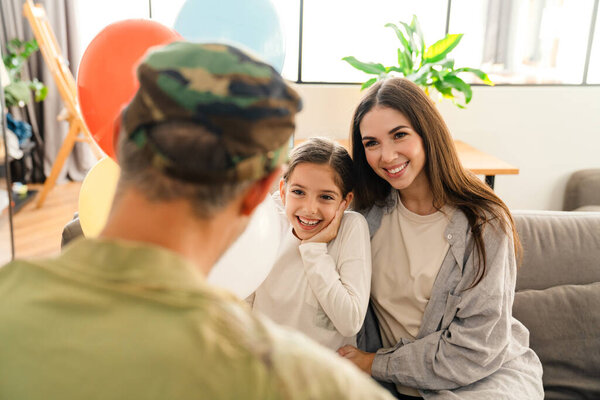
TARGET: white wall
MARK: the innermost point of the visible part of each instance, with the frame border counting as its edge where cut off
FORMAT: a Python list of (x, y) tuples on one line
[(547, 132)]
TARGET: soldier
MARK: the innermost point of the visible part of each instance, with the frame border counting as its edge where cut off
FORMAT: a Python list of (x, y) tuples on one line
[(129, 315)]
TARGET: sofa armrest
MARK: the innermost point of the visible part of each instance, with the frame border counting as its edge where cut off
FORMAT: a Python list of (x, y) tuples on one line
[(583, 189), (559, 248)]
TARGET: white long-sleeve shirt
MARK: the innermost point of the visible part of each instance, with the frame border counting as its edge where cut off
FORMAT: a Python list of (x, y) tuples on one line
[(320, 289)]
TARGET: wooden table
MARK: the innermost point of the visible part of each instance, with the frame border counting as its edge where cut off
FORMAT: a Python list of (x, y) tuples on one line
[(481, 163), (474, 160)]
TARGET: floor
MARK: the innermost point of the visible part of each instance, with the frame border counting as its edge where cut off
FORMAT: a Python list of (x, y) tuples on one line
[(37, 231)]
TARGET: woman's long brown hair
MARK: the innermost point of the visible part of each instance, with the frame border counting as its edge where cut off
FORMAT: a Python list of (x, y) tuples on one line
[(450, 183)]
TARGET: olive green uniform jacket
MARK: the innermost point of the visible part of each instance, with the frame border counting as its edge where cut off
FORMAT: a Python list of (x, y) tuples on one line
[(118, 320)]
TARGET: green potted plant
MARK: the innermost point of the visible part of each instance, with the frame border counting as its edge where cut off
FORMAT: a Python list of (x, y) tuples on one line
[(427, 66), (18, 91)]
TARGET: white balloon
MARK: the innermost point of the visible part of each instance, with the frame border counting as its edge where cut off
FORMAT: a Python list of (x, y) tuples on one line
[(246, 264)]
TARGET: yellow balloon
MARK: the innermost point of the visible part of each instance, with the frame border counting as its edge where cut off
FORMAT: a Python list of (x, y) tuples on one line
[(96, 195)]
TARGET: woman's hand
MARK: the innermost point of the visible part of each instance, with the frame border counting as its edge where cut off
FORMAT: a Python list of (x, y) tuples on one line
[(329, 233), (361, 359)]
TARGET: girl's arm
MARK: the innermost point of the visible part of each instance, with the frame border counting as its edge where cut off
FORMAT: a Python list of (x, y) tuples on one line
[(342, 290), (476, 329)]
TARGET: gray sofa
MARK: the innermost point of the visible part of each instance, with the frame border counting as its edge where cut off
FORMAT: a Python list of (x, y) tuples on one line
[(558, 298)]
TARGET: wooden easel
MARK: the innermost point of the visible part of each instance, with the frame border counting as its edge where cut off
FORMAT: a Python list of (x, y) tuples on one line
[(78, 132)]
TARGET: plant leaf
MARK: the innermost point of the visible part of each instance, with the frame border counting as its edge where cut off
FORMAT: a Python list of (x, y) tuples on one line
[(13, 46), (417, 29), (9, 99), (421, 76), (41, 94), (367, 67), (479, 73), (19, 91), (444, 89), (416, 49), (460, 85), (405, 62), (448, 65), (29, 48), (397, 69), (368, 83), (407, 48), (439, 49), (39, 89)]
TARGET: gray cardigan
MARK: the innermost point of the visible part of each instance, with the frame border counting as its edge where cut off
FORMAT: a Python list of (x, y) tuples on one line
[(469, 345)]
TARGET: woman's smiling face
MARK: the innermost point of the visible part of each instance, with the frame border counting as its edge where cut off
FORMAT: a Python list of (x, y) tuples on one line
[(311, 198), (393, 149)]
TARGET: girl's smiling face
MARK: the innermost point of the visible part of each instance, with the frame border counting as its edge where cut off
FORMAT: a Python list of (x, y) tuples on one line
[(311, 198), (393, 149)]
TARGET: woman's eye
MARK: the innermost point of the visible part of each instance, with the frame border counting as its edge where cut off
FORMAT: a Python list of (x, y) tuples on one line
[(399, 135), (369, 143)]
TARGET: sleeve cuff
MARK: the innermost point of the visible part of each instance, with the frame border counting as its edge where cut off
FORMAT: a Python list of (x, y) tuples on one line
[(379, 367), (313, 248)]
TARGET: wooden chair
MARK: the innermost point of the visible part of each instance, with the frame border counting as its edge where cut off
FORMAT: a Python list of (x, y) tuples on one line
[(78, 132)]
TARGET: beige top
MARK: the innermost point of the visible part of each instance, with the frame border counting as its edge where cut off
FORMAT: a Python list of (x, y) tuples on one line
[(407, 252)]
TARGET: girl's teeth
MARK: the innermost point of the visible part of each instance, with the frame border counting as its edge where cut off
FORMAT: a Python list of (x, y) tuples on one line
[(396, 170), (305, 222)]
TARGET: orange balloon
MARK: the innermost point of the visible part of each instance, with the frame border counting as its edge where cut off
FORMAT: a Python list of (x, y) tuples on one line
[(106, 80)]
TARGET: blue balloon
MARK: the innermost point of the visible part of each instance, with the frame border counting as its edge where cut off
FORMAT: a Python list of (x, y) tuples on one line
[(251, 23)]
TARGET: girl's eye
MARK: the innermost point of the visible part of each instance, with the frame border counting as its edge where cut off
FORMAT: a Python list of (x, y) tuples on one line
[(327, 197), (399, 135), (297, 192)]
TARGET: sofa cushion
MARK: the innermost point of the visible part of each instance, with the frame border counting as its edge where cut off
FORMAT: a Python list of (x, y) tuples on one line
[(564, 325), (559, 248)]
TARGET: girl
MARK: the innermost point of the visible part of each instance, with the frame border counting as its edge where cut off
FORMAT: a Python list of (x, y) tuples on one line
[(320, 282), (443, 251)]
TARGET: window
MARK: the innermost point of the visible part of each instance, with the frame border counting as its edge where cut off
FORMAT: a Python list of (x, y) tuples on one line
[(93, 16), (334, 29), (524, 41), (515, 41)]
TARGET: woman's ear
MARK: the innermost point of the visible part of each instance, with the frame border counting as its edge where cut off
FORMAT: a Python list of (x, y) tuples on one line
[(348, 199), (282, 190)]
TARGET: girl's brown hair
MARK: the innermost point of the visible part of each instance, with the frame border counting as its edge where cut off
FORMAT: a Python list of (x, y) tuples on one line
[(450, 183), (318, 150)]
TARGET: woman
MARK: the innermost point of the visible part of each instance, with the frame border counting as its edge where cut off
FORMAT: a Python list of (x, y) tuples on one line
[(443, 249)]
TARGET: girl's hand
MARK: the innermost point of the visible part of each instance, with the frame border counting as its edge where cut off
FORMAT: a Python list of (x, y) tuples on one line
[(329, 233), (361, 359)]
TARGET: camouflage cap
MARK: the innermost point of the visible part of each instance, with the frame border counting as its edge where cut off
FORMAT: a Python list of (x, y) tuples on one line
[(241, 100)]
